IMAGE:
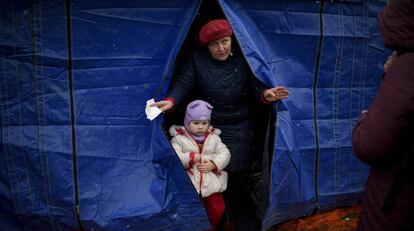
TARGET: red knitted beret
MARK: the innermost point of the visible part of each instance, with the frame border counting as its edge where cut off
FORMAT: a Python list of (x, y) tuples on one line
[(214, 30)]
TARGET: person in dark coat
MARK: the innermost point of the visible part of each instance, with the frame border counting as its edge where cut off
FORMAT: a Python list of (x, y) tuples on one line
[(219, 74), (383, 135)]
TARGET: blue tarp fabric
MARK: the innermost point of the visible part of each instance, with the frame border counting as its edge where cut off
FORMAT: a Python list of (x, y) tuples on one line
[(77, 151), (102, 67), (330, 56)]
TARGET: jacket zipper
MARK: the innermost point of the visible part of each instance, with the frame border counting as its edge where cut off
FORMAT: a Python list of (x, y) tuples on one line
[(200, 149)]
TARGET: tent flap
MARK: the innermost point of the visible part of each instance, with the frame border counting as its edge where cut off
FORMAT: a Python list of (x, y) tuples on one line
[(77, 151), (75, 79), (330, 57)]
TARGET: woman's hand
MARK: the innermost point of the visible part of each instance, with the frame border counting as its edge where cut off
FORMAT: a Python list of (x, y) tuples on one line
[(275, 94), (206, 166), (390, 61), (163, 105)]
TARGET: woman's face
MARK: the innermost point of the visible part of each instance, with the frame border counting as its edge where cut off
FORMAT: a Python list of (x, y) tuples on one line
[(220, 49), (198, 127)]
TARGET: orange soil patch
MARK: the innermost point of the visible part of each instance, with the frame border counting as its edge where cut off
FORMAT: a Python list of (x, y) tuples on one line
[(340, 219)]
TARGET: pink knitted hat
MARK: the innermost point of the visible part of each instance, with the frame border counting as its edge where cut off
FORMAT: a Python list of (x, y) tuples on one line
[(197, 110)]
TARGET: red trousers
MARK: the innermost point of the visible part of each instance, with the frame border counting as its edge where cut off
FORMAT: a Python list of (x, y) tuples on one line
[(215, 207)]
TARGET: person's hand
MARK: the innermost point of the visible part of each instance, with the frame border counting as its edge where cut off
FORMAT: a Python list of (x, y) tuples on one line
[(390, 61), (163, 105), (275, 94), (206, 166)]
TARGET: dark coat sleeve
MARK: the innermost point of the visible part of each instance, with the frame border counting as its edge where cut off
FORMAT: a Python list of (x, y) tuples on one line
[(258, 87), (379, 131), (183, 82)]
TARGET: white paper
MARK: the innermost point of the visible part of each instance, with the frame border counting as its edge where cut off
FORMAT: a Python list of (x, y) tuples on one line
[(152, 112)]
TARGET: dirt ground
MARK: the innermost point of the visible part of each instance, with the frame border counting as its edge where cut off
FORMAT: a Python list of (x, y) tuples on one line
[(341, 219)]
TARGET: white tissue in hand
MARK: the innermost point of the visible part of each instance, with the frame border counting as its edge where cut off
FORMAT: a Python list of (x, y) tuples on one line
[(152, 112)]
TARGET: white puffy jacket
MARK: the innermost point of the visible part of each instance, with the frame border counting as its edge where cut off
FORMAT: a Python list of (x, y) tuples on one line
[(213, 149)]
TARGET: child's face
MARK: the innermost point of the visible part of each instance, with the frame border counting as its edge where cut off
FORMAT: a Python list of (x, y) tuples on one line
[(199, 127)]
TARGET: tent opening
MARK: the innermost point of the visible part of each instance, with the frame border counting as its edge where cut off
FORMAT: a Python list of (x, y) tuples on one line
[(255, 181)]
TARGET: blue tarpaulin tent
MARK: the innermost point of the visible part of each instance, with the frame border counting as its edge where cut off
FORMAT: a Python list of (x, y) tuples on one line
[(77, 152)]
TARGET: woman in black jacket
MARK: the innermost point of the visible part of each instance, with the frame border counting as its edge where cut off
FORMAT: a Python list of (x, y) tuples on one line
[(223, 79), (218, 73)]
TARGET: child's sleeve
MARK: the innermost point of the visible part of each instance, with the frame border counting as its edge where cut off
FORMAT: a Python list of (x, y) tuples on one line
[(187, 158), (222, 155)]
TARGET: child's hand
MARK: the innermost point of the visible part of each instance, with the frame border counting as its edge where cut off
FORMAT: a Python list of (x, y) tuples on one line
[(206, 166)]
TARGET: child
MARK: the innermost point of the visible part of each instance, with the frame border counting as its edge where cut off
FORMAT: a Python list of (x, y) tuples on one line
[(204, 157)]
